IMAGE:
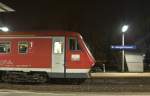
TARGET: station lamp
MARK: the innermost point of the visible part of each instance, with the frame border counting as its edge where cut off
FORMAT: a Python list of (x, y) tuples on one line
[(124, 29), (4, 9), (4, 29)]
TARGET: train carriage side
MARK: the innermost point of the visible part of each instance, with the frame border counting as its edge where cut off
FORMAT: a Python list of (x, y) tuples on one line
[(42, 57), (25, 57), (25, 53)]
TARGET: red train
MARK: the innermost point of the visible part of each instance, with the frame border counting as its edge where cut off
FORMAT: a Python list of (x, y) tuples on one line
[(37, 56)]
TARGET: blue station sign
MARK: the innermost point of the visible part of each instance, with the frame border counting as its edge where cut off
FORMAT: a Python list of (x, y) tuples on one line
[(123, 47)]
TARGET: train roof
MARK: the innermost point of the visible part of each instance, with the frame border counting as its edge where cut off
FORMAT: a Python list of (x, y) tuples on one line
[(40, 33)]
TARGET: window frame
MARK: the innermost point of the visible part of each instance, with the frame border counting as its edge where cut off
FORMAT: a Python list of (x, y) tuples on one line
[(9, 47), (77, 40), (27, 47)]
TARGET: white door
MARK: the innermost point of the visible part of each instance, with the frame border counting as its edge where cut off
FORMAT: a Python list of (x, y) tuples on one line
[(58, 54)]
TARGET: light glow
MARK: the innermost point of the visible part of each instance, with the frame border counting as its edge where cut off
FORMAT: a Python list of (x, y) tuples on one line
[(125, 28), (4, 29)]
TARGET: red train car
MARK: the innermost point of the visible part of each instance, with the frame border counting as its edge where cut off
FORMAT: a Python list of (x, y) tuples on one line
[(41, 55)]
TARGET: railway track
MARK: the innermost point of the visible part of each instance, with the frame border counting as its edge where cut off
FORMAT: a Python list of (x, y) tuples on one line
[(90, 85)]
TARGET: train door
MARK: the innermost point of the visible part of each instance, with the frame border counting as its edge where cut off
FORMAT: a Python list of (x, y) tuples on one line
[(58, 54)]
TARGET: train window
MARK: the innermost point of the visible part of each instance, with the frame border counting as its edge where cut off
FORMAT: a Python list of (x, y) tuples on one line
[(73, 44), (23, 47), (4, 47), (58, 47)]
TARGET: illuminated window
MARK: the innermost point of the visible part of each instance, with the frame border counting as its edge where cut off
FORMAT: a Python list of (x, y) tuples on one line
[(23, 47), (58, 47), (73, 44), (4, 47)]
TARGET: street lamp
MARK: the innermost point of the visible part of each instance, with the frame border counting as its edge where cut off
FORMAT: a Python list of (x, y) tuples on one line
[(124, 29)]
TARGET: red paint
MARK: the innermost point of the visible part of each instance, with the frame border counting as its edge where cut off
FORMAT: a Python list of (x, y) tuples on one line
[(36, 57)]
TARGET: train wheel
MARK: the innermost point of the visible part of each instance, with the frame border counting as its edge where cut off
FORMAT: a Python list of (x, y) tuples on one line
[(40, 78), (5, 78)]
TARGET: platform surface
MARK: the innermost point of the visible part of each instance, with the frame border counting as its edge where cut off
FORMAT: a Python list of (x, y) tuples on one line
[(28, 93), (118, 74)]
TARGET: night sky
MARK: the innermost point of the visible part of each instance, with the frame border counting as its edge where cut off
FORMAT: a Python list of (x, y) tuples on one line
[(99, 21)]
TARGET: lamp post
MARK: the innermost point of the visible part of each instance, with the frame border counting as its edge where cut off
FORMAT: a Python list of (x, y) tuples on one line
[(124, 29)]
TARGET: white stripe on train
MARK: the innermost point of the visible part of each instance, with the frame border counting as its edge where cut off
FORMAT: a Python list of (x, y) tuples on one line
[(44, 69)]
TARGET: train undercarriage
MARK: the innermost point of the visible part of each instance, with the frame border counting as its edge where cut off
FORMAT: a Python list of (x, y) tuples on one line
[(35, 77), (19, 76)]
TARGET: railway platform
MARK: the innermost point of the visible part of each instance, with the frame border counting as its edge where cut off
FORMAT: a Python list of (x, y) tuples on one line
[(120, 75)]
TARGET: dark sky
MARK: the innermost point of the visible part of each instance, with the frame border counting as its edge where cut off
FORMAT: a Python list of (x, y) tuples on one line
[(99, 21), (78, 15)]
